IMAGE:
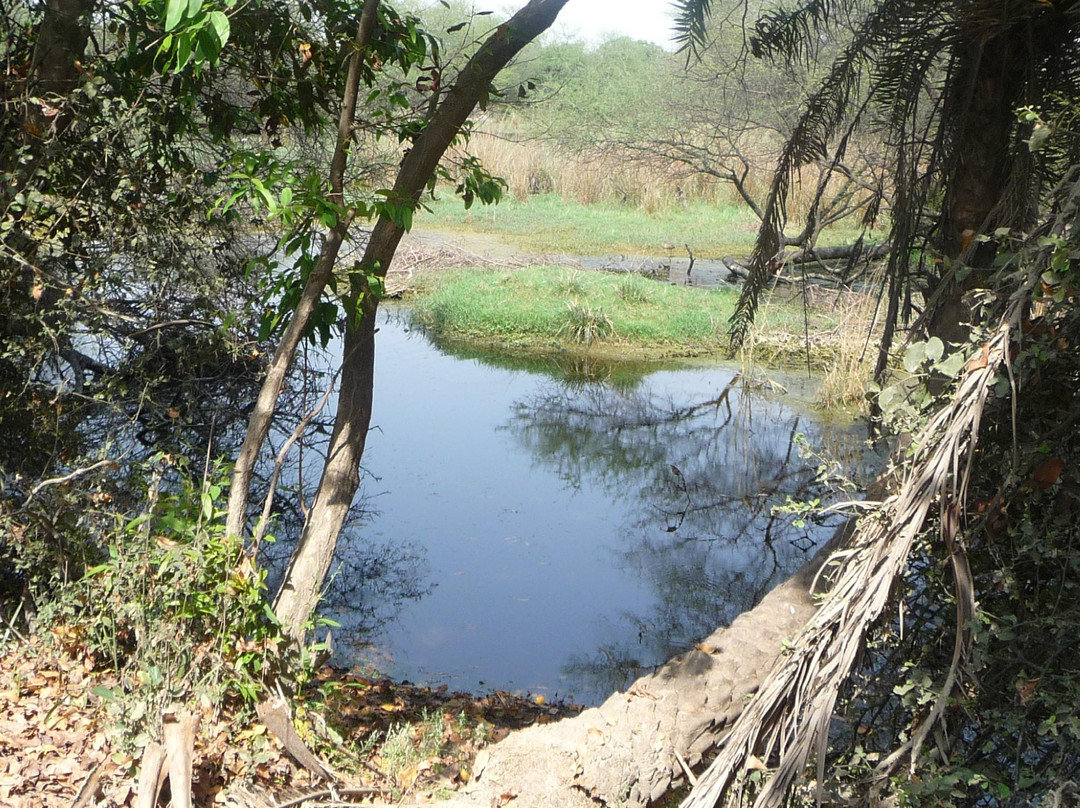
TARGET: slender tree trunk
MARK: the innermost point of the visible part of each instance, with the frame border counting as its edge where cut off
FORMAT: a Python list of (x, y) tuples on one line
[(302, 585), (54, 70), (263, 414)]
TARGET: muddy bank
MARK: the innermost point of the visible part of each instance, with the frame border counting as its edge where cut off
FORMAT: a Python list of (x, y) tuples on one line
[(427, 250)]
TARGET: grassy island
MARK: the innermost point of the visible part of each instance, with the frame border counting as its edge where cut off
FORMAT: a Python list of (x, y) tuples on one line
[(607, 314)]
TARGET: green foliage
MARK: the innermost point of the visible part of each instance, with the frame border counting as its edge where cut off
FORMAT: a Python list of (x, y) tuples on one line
[(177, 606), (477, 183), (195, 33), (584, 95), (928, 368)]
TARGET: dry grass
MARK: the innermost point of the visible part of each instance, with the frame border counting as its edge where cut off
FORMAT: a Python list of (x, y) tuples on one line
[(841, 337), (607, 173), (854, 337), (533, 167)]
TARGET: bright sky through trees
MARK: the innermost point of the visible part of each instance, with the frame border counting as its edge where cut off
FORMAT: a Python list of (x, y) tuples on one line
[(593, 20)]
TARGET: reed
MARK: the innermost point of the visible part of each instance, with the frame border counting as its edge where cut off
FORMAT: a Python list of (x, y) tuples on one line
[(641, 177), (854, 339)]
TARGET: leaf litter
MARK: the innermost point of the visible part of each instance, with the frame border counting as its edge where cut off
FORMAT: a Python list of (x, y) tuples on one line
[(61, 745)]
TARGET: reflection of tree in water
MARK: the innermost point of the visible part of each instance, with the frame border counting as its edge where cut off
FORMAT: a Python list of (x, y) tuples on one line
[(370, 581), (369, 584), (699, 482), (192, 400)]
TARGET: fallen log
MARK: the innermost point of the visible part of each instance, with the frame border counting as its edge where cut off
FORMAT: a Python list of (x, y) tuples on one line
[(845, 251), (641, 744)]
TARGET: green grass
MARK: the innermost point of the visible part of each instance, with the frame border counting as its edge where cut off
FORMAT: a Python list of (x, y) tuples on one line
[(549, 224), (605, 314)]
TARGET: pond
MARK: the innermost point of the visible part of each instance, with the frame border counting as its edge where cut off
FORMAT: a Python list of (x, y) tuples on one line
[(560, 530)]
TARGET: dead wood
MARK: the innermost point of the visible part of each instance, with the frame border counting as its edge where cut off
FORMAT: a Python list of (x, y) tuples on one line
[(152, 776), (179, 732), (171, 761), (789, 718), (627, 751), (275, 714), (844, 251)]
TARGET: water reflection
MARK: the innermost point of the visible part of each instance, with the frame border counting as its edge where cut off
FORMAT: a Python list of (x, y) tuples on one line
[(700, 478), (575, 531)]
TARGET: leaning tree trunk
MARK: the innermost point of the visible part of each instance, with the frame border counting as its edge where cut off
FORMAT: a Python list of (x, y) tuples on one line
[(302, 585), (263, 414)]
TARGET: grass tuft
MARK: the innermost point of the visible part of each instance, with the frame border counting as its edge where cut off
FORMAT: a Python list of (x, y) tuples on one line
[(585, 325), (634, 289)]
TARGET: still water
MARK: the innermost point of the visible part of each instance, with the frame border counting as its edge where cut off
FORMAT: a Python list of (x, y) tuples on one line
[(558, 530)]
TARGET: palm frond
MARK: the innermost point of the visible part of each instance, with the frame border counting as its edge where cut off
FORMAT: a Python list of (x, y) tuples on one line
[(822, 114), (791, 33), (788, 719), (887, 62), (691, 26)]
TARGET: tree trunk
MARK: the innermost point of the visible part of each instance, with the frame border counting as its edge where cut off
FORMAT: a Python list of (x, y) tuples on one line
[(982, 167), (54, 70), (263, 414), (302, 585)]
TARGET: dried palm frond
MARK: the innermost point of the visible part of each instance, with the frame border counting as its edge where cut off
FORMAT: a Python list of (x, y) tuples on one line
[(789, 717)]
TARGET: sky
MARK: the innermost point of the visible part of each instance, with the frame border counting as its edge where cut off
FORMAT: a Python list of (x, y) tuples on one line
[(591, 20)]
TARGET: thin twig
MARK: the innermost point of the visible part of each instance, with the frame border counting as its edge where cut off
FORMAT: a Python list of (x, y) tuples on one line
[(69, 477), (279, 461)]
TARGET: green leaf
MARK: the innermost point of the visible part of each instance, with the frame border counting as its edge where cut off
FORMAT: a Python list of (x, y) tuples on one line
[(183, 51), (889, 398), (935, 349), (220, 23), (174, 12), (104, 693), (953, 365), (193, 8), (165, 46), (914, 356)]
